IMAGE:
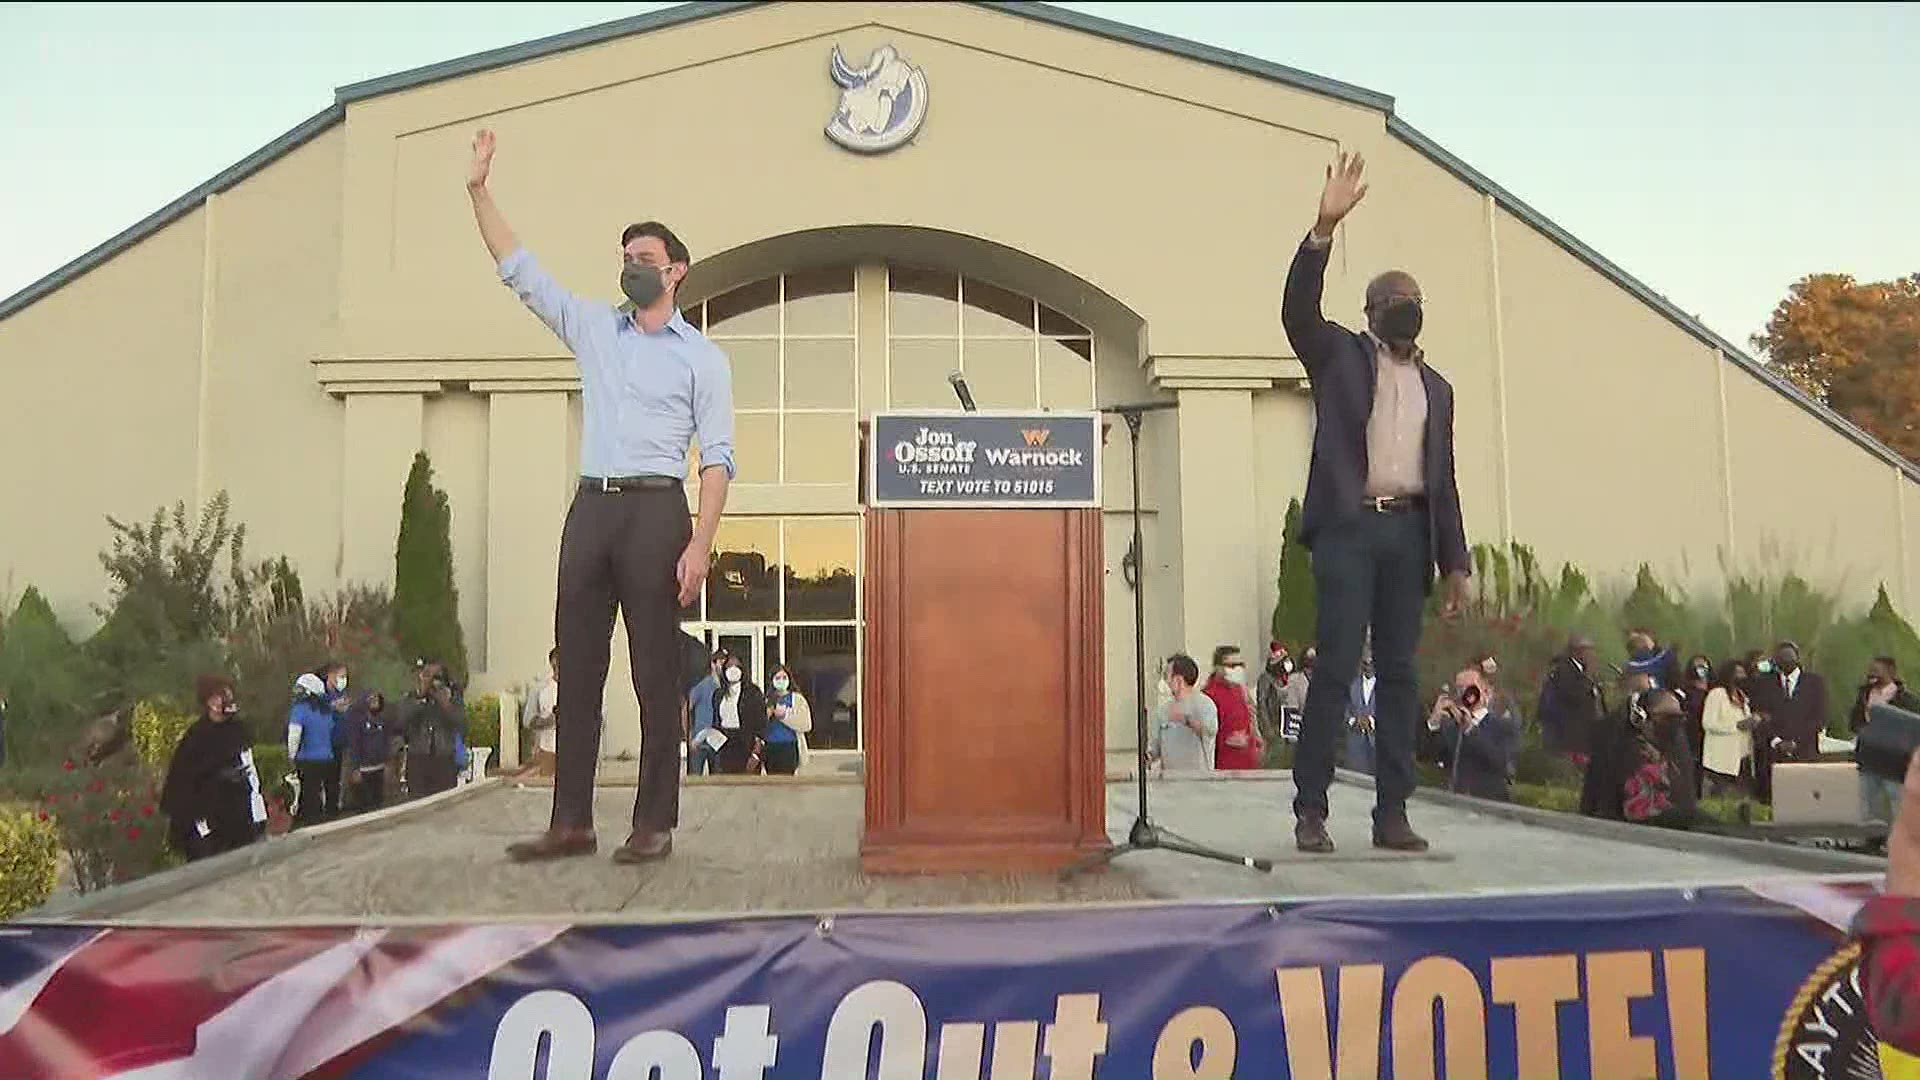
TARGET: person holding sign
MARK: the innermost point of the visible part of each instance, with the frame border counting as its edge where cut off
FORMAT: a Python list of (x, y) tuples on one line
[(1382, 509), (650, 386)]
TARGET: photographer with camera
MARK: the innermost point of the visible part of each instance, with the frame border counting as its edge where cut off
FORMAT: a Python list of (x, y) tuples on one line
[(1477, 735), (430, 720)]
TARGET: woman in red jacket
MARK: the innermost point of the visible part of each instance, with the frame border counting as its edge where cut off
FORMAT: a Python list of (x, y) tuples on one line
[(1239, 744)]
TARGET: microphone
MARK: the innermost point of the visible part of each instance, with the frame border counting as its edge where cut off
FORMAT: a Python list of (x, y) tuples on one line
[(959, 384)]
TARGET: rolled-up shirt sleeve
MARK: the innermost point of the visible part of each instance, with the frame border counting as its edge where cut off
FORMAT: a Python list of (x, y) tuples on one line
[(713, 412), (564, 313)]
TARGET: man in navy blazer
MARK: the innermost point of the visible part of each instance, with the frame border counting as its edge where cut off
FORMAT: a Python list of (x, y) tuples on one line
[(1382, 514)]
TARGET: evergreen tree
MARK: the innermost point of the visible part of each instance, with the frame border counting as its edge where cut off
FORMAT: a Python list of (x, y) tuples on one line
[(426, 606), (1650, 607), (1295, 612)]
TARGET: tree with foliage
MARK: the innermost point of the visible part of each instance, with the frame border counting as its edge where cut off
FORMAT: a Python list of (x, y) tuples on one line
[(50, 683), (1856, 347), (426, 606), (1295, 611), (1650, 606), (169, 604)]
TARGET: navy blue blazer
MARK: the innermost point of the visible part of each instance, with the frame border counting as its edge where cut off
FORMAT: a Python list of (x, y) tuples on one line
[(1340, 368)]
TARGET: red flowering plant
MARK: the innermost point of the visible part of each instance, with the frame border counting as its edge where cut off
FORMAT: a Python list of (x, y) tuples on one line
[(109, 820)]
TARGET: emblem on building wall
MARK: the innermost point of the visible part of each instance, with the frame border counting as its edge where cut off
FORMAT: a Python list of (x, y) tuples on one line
[(881, 105)]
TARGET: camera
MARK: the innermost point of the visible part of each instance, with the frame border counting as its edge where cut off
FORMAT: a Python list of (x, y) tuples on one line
[(1470, 697), (1883, 747)]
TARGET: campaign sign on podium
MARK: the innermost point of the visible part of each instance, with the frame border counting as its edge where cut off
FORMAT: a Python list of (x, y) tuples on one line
[(983, 563), (1006, 460)]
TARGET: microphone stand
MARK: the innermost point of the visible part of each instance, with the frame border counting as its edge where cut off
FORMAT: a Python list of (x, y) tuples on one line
[(1145, 835)]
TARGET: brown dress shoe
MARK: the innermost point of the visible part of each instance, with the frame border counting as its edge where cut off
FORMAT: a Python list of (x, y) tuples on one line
[(554, 844), (1395, 834), (1310, 834), (644, 847)]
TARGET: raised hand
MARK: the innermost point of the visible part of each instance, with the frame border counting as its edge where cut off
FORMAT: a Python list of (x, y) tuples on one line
[(482, 163), (1343, 191)]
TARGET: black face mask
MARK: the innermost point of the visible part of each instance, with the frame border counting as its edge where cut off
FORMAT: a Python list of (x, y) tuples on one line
[(1398, 321), (642, 284)]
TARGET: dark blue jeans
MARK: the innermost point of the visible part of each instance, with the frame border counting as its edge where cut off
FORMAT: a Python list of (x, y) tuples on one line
[(1369, 571)]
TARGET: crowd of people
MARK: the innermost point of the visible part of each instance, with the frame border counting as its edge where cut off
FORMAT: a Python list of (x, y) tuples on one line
[(1649, 739), (342, 749)]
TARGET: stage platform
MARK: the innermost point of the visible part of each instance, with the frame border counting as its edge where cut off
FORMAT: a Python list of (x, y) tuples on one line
[(792, 845)]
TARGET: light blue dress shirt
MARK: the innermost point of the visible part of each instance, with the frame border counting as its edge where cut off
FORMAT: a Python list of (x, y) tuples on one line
[(644, 396)]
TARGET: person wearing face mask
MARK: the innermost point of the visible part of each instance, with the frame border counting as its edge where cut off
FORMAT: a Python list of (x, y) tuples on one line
[(1381, 517), (1794, 703), (315, 730), (1695, 680), (211, 786), (788, 721), (1726, 755), (652, 386), (740, 722), (1238, 744), (1186, 724), (369, 745)]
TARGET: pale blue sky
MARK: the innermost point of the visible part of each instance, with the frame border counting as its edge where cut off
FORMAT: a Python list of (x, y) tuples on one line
[(1717, 152)]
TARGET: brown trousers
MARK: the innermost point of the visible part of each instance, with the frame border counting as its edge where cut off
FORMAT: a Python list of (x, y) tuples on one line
[(620, 550)]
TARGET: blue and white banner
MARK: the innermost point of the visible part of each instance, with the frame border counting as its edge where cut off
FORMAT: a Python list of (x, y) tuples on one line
[(1025, 459), (1726, 982)]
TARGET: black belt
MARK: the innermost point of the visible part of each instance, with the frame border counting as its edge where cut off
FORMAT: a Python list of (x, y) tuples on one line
[(1394, 504), (615, 485)]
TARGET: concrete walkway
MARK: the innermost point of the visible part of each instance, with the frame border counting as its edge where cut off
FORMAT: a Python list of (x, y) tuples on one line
[(794, 846)]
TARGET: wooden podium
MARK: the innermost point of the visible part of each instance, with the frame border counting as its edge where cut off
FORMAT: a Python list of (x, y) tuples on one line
[(983, 702)]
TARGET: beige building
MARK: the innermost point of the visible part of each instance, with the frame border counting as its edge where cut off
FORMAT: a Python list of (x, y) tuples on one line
[(1073, 212)]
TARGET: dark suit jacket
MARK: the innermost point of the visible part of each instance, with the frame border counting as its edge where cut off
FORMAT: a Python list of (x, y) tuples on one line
[(1340, 366), (1799, 719)]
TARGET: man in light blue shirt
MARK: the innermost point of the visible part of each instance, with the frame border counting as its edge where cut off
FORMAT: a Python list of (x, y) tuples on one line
[(651, 385)]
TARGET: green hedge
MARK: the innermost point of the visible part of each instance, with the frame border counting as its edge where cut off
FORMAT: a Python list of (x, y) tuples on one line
[(29, 860), (157, 729)]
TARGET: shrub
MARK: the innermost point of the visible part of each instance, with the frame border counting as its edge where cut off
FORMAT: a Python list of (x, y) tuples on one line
[(1295, 611), (483, 723), (157, 729), (426, 606), (50, 684), (170, 603), (29, 860), (109, 821)]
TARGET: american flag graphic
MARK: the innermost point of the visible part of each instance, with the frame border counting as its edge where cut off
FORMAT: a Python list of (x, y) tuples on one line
[(158, 1003)]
